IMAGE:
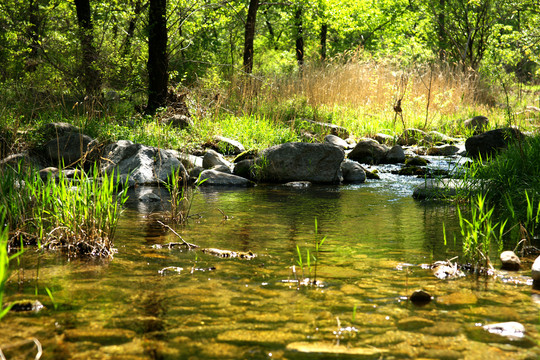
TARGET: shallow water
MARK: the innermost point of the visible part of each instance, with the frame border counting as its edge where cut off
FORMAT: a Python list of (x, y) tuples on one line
[(215, 308)]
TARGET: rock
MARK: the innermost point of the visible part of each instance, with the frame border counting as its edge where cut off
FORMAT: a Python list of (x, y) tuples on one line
[(443, 150), (27, 306), (491, 142), (336, 140), (411, 137), (195, 172), (318, 163), (352, 172), (57, 129), (245, 169), (66, 150), (298, 184), (416, 161), (384, 138), (535, 270), (217, 178), (100, 336), (511, 329), (222, 168), (368, 152), (440, 137), (477, 124), (395, 155), (372, 175), (144, 164), (420, 297), (213, 158), (325, 350), (333, 129), (229, 146), (510, 261), (414, 323), (178, 121), (190, 161)]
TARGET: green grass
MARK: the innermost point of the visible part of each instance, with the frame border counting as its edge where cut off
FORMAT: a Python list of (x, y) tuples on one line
[(77, 215)]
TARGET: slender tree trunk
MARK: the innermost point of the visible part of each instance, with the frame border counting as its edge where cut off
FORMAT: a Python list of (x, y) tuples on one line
[(250, 35), (324, 33), (33, 35), (90, 72), (299, 37), (441, 30), (158, 63), (138, 8)]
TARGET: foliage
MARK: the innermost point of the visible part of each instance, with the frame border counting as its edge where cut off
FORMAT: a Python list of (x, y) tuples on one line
[(182, 195), (511, 181), (5, 258), (480, 232), (77, 215), (310, 256)]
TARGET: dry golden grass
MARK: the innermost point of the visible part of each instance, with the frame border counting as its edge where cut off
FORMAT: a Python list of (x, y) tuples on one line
[(361, 96)]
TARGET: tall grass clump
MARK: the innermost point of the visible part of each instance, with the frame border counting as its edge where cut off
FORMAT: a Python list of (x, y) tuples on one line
[(182, 195), (511, 182), (78, 215), (480, 233)]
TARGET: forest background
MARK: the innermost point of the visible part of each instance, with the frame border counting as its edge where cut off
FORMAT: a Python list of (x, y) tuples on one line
[(252, 70)]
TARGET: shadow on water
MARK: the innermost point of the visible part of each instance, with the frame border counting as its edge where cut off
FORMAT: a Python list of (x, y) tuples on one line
[(213, 308)]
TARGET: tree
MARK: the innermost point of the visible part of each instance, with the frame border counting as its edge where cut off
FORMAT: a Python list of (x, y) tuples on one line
[(299, 32), (158, 62), (90, 72), (250, 35)]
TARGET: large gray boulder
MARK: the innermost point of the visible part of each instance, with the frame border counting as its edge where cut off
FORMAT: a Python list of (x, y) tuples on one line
[(68, 149), (491, 142), (368, 152), (213, 158), (353, 172), (395, 155), (145, 165), (230, 146), (337, 141), (314, 162)]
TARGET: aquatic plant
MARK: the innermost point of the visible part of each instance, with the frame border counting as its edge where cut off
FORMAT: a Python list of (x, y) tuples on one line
[(318, 243), (79, 215), (480, 232), (182, 195), (5, 258)]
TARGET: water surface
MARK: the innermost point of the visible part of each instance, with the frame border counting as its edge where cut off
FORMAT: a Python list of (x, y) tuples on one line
[(215, 308)]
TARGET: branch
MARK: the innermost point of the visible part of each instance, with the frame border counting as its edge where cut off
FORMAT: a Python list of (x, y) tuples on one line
[(189, 245)]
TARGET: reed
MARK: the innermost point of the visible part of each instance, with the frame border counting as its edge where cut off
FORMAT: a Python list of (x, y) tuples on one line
[(5, 258), (480, 233), (77, 215)]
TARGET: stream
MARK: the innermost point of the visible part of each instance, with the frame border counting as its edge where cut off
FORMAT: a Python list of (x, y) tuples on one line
[(207, 307)]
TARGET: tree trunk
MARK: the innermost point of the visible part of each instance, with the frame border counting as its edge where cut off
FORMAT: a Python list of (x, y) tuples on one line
[(442, 30), (250, 35), (90, 72), (138, 8), (299, 37), (324, 33), (34, 36), (158, 63)]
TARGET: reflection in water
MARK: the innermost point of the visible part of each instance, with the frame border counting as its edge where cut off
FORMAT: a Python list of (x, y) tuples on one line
[(376, 235)]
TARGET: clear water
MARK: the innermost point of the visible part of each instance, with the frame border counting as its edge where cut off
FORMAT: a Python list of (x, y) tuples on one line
[(217, 308)]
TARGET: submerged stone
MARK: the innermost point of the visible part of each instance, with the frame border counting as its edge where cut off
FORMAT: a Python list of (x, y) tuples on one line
[(510, 261), (414, 323), (420, 297)]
